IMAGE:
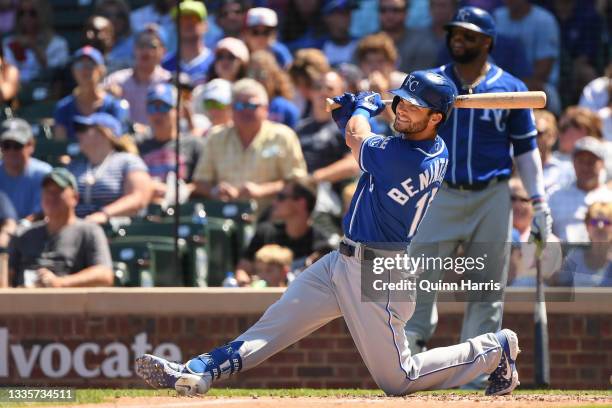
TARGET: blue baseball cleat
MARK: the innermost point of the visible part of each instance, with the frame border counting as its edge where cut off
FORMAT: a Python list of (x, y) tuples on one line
[(505, 377), (158, 372)]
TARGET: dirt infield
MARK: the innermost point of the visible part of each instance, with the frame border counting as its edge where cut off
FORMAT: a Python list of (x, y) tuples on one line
[(428, 401)]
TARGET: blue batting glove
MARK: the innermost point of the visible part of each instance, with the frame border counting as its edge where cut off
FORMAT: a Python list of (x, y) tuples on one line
[(368, 104), (342, 114)]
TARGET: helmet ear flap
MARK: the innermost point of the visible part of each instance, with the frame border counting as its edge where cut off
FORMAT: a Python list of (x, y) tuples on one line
[(396, 101)]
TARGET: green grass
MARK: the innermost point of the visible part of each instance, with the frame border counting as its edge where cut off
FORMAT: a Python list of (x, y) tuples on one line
[(91, 396)]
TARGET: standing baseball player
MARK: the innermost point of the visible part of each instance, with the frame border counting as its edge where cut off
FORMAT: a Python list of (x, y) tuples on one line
[(473, 206), (401, 176)]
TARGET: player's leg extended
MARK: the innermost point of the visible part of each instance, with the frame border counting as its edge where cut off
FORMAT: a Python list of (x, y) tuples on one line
[(308, 303), (377, 329), (491, 238), (438, 236)]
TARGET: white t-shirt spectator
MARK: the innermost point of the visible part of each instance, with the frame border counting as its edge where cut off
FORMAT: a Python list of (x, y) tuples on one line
[(576, 272), (557, 174), (57, 55), (569, 207)]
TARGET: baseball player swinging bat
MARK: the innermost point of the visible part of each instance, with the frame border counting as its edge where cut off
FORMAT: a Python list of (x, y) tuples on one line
[(495, 100)]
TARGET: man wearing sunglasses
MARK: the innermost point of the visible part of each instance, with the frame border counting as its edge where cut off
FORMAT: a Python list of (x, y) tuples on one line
[(157, 143), (21, 174), (259, 33), (251, 158)]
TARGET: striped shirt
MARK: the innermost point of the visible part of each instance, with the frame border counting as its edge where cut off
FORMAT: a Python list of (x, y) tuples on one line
[(108, 180)]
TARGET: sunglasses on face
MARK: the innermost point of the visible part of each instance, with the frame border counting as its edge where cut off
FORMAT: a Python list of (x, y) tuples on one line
[(467, 36), (241, 106), (519, 199), (148, 45), (158, 108), (600, 222), (85, 64), (11, 146), (30, 13), (212, 104), (261, 32), (383, 10), (225, 56)]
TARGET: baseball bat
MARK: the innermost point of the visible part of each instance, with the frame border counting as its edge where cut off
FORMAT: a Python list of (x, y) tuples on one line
[(494, 100), (542, 353)]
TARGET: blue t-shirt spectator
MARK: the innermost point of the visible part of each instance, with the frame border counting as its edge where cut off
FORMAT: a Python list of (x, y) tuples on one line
[(196, 68), (282, 54), (7, 211), (538, 31), (282, 110), (24, 190), (66, 109)]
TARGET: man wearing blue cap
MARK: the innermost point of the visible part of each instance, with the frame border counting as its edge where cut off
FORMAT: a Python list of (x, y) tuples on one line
[(340, 46), (157, 143), (62, 250)]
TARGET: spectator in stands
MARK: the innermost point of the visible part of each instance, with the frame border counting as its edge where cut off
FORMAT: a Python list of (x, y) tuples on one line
[(557, 173), (229, 21), (7, 16), (377, 57), (35, 48), (596, 95), (574, 124), (251, 158), (118, 12), (591, 266), (89, 96), (195, 58), (62, 250), (581, 32), (158, 12), (340, 46), (230, 61), (291, 227), (264, 68), (273, 266), (133, 83), (111, 181), (417, 48), (20, 173), (308, 67), (213, 101), (539, 32), (525, 272), (569, 204), (8, 225), (157, 144), (303, 25), (259, 33), (9, 85), (99, 32)]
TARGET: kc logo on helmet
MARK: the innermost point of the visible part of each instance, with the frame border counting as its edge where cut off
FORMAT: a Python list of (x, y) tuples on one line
[(412, 83), (462, 15)]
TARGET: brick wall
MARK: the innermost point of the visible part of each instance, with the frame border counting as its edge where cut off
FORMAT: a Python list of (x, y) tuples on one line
[(581, 348)]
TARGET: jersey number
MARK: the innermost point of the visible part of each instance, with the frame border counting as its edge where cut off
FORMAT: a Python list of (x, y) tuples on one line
[(420, 210)]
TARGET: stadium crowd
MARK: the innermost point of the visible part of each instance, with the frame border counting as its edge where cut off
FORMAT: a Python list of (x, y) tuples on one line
[(253, 127)]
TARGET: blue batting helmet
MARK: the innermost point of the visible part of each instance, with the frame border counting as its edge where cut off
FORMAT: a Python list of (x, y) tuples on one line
[(473, 19), (427, 90)]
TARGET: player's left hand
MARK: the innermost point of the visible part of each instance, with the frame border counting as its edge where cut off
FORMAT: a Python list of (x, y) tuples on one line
[(541, 225), (370, 102), (342, 114)]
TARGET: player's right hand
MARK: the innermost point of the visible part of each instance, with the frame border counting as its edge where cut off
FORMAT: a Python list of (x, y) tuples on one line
[(343, 113), (541, 224)]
